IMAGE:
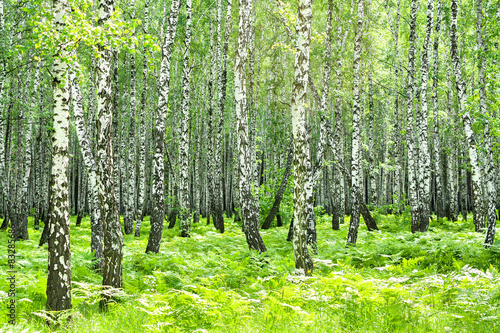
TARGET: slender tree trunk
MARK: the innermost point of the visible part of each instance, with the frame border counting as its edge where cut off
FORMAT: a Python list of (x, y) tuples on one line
[(128, 218), (117, 161), (356, 135), (197, 184), (185, 214), (435, 110), (279, 194), (489, 165), (211, 124), (113, 236), (59, 267), (410, 135), (28, 161), (96, 225), (490, 186), (477, 196), (249, 212), (452, 169), (222, 82), (142, 131), (424, 174), (336, 139), (158, 193), (303, 260)]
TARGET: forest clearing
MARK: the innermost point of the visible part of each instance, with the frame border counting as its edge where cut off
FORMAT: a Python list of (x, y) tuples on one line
[(249, 166)]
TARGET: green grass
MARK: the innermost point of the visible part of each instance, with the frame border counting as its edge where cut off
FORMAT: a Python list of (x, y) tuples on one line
[(392, 281)]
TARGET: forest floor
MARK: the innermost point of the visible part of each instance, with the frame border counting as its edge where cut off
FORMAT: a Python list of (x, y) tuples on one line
[(392, 281)]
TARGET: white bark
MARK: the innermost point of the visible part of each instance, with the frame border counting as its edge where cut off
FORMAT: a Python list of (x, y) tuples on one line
[(59, 263), (158, 200), (185, 214), (477, 195), (90, 165), (249, 213), (303, 261), (424, 177), (356, 125)]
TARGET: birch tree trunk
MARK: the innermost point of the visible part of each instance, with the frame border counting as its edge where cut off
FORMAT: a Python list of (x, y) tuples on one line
[(197, 170), (303, 260), (158, 192), (410, 135), (372, 199), (490, 185), (59, 266), (356, 135), (452, 170), (398, 141), (113, 236), (477, 195), (96, 239), (336, 139), (28, 160), (222, 81), (218, 126), (3, 127), (142, 131), (210, 134), (279, 194), (185, 214), (435, 110), (424, 177), (128, 218), (489, 164), (249, 213)]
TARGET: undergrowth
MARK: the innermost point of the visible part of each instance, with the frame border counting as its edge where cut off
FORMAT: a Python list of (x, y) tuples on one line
[(392, 281)]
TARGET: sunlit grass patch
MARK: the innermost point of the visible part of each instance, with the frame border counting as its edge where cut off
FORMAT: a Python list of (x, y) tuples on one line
[(392, 281)]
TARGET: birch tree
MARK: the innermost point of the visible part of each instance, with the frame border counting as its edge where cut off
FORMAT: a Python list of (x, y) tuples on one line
[(489, 165), (158, 192), (59, 263), (185, 214), (142, 130), (128, 218), (303, 260), (96, 239), (410, 135), (424, 176), (477, 195), (435, 110), (356, 135), (249, 213), (113, 236)]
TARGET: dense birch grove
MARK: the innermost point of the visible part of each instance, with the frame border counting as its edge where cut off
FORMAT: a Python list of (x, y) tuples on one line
[(271, 114)]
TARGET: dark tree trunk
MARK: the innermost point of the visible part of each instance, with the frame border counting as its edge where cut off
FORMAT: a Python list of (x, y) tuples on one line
[(279, 194), (278, 219), (290, 232)]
